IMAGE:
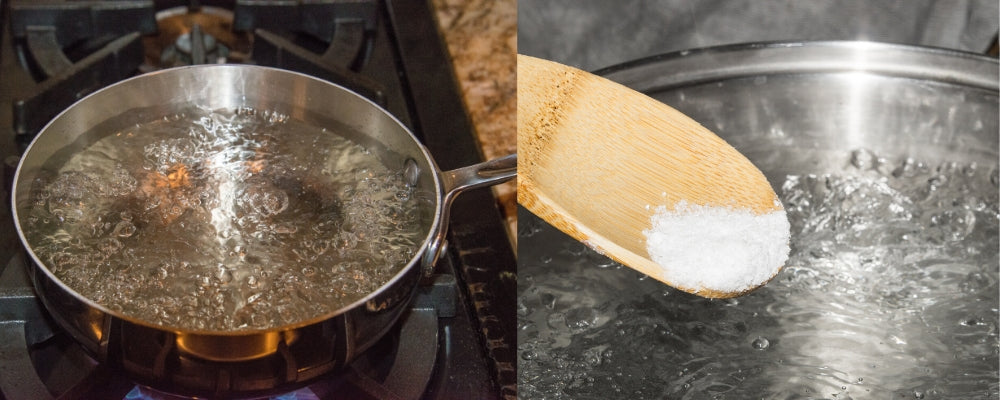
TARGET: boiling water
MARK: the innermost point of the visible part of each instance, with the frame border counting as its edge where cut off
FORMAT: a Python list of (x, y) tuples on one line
[(224, 221), (890, 292)]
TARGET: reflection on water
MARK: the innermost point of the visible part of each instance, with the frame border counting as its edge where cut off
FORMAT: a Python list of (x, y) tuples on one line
[(890, 292)]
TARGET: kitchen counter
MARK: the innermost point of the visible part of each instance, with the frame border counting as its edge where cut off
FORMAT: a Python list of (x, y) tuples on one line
[(481, 36)]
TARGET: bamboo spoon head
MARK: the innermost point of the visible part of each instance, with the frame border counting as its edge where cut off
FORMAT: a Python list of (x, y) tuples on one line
[(597, 160)]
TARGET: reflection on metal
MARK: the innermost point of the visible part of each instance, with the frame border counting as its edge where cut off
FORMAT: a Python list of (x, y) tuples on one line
[(234, 348), (48, 54)]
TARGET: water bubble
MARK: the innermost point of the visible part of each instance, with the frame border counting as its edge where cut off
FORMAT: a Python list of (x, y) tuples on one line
[(274, 202), (906, 169), (592, 356), (320, 246), (575, 248), (522, 309), (937, 180), (528, 228), (548, 300), (109, 246), (284, 229), (863, 159), (556, 320), (58, 213), (347, 240), (124, 229), (403, 195), (224, 274), (970, 169), (581, 318), (918, 394), (760, 343)]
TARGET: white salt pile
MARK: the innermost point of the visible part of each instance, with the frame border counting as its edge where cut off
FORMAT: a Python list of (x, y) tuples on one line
[(715, 248)]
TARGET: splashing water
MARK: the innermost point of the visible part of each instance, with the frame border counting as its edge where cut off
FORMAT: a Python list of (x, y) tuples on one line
[(224, 221), (890, 292)]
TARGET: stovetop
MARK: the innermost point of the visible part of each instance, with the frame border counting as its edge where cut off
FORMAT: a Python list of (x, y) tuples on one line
[(54, 52)]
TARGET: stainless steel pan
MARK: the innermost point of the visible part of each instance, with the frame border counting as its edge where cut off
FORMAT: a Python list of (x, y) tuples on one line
[(244, 362)]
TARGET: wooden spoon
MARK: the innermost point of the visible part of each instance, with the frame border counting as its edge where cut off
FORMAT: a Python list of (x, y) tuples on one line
[(597, 159)]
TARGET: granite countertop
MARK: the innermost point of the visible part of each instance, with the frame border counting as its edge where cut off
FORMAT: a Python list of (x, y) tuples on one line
[(482, 38)]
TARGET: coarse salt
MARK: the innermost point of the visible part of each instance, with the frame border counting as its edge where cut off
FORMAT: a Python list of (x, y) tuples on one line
[(717, 248)]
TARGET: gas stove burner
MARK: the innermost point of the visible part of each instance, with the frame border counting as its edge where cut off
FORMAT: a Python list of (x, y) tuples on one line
[(145, 393), (195, 47), (189, 36)]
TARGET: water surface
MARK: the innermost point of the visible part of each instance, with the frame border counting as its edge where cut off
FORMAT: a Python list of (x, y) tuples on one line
[(223, 220), (890, 292)]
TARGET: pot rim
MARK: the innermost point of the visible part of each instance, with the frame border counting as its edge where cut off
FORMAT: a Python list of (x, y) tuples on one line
[(414, 261), (714, 63)]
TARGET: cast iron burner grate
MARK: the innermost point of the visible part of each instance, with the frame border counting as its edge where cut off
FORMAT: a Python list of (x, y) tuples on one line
[(72, 48)]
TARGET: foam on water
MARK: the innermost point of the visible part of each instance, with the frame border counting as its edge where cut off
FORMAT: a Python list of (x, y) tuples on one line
[(890, 291), (224, 221)]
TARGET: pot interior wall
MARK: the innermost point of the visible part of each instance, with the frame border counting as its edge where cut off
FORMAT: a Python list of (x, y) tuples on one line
[(890, 183), (801, 124)]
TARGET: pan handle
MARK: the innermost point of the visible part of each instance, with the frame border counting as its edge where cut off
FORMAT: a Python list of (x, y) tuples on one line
[(488, 173)]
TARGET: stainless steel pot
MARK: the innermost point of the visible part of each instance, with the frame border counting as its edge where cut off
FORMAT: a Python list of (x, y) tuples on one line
[(876, 317), (259, 361)]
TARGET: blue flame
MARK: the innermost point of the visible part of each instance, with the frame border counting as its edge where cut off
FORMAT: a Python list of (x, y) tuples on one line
[(142, 393)]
